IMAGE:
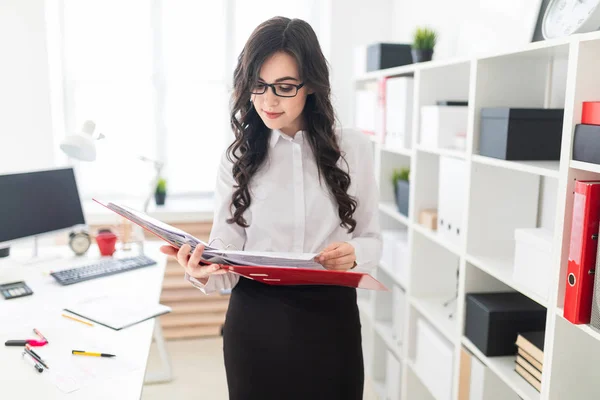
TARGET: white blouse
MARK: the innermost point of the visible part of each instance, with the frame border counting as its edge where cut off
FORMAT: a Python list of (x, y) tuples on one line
[(291, 211)]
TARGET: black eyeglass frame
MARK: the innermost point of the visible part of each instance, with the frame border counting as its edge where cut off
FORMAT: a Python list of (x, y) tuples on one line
[(272, 86)]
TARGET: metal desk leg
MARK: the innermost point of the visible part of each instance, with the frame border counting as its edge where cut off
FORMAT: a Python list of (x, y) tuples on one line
[(166, 374)]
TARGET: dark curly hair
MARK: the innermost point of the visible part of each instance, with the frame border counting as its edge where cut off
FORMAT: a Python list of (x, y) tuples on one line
[(249, 149)]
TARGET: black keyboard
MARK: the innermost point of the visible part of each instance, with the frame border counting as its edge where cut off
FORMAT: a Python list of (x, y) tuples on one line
[(101, 268)]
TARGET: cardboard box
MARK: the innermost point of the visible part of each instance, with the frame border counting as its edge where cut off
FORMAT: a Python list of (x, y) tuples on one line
[(428, 218)]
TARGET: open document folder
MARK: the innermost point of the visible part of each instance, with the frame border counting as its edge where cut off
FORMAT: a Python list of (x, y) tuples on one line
[(267, 267)]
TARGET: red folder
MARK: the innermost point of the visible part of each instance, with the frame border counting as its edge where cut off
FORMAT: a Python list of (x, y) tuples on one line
[(269, 274), (582, 252), (307, 276)]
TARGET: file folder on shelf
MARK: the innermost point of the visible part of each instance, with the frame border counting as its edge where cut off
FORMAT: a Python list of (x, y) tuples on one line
[(265, 267), (579, 288)]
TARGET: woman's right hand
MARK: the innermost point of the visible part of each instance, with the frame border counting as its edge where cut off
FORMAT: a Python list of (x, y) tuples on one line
[(191, 262)]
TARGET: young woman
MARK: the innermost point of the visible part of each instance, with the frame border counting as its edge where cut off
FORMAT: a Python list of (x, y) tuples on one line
[(290, 182)]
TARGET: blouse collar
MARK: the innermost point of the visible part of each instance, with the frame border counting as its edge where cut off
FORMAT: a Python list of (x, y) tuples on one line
[(276, 134)]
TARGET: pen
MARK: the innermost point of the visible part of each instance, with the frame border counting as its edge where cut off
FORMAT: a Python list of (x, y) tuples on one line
[(85, 353), (33, 362), (35, 355), (31, 342), (77, 319), (40, 335)]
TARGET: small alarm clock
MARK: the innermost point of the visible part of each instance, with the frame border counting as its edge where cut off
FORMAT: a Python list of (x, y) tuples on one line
[(80, 242)]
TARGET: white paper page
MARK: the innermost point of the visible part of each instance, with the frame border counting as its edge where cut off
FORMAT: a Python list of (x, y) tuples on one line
[(174, 234), (273, 255)]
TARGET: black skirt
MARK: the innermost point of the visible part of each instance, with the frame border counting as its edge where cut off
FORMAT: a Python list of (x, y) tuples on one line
[(293, 342)]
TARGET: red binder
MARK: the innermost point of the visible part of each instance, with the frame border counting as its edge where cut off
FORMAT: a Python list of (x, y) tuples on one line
[(582, 252), (266, 274)]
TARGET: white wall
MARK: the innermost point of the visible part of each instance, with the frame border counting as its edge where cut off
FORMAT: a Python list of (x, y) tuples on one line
[(26, 139), (468, 27), (354, 23), (442, 15)]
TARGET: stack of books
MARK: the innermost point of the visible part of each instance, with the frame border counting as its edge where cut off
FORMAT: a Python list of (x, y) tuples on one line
[(530, 357)]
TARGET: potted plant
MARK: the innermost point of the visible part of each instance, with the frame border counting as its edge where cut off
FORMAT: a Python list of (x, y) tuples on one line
[(423, 44), (161, 192), (400, 180)]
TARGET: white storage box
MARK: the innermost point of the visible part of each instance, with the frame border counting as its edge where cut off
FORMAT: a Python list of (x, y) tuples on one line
[(398, 314), (433, 361), (486, 385), (533, 259), (365, 115), (395, 251), (393, 378), (451, 199), (398, 112), (441, 124)]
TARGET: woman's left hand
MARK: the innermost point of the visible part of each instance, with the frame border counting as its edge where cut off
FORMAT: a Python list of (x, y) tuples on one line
[(337, 256)]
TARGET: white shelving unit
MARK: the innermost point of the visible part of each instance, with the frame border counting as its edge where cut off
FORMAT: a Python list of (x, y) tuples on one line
[(499, 197)]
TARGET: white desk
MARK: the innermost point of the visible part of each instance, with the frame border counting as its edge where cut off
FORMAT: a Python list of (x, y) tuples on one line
[(42, 311)]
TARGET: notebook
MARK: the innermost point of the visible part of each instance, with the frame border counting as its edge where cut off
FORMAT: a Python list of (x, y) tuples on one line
[(117, 312)]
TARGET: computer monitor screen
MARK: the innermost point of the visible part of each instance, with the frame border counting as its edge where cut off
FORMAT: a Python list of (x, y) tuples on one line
[(38, 202)]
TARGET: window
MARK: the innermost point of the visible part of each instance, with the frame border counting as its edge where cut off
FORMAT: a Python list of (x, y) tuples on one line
[(155, 76)]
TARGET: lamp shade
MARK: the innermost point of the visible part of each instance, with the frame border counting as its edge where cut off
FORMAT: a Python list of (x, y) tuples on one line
[(81, 146)]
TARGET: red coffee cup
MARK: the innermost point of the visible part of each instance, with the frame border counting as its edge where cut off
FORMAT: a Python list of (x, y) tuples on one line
[(106, 242)]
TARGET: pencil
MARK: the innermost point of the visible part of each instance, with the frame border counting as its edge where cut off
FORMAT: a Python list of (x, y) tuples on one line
[(78, 320)]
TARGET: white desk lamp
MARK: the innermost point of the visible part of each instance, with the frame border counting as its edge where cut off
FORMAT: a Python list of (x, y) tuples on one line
[(82, 146)]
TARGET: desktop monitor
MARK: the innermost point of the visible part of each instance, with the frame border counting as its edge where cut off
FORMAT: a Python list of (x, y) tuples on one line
[(39, 202)]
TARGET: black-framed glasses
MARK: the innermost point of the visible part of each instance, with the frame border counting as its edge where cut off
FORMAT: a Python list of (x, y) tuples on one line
[(279, 89)]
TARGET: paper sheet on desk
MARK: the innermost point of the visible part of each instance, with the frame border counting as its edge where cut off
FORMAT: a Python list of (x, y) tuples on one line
[(70, 373), (67, 372), (117, 312)]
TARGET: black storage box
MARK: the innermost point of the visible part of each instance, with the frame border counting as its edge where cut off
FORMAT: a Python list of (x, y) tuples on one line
[(521, 133), (493, 320), (387, 55), (586, 145), (452, 103)]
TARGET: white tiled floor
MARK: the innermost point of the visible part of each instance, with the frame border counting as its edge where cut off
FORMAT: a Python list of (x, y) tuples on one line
[(199, 372)]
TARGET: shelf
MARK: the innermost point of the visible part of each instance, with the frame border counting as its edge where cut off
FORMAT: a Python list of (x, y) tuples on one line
[(584, 166), (504, 367), (394, 275), (433, 309), (435, 237), (397, 150), (389, 207), (588, 329), (543, 168), (384, 329), (442, 151), (502, 269), (395, 71)]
